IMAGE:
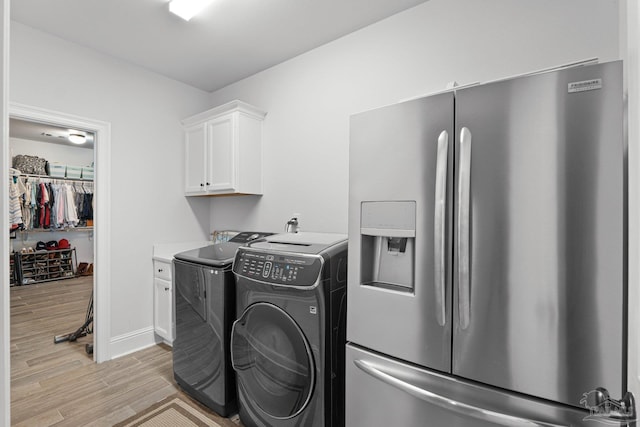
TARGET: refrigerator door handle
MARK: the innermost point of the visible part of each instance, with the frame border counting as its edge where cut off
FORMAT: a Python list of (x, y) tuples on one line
[(439, 226), (464, 187), (461, 408)]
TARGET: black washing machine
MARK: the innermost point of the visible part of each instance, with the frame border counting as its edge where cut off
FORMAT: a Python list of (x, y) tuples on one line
[(204, 308), (288, 343)]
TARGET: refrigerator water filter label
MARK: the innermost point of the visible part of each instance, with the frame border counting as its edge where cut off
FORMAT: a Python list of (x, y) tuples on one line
[(585, 85)]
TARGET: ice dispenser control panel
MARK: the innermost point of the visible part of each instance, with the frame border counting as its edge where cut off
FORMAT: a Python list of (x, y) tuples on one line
[(277, 268)]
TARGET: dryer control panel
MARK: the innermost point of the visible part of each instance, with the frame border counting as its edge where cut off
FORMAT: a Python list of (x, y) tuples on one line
[(278, 268)]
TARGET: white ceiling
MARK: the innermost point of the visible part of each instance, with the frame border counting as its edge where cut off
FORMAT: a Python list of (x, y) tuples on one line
[(228, 41), (43, 132)]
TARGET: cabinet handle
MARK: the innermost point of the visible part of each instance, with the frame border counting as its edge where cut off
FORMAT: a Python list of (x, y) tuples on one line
[(201, 185), (166, 289), (208, 183), (160, 270)]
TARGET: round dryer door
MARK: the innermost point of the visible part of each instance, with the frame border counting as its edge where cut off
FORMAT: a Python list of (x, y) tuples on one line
[(273, 360)]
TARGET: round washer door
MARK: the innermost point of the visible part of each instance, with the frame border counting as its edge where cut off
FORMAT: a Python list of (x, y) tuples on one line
[(273, 360)]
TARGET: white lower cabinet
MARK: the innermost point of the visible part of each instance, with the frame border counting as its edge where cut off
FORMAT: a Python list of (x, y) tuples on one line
[(163, 301)]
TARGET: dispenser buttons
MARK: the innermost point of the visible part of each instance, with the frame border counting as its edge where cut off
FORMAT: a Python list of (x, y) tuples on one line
[(266, 271)]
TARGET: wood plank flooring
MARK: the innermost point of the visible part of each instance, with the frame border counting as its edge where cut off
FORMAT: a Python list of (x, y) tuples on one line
[(60, 384)]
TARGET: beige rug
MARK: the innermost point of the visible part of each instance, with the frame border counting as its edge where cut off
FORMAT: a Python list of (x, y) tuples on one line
[(170, 412)]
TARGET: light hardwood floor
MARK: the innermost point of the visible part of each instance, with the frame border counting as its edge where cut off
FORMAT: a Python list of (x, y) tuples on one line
[(59, 384)]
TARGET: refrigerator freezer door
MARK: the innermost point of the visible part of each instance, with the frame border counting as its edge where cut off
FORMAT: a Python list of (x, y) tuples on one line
[(399, 394), (546, 235), (398, 301)]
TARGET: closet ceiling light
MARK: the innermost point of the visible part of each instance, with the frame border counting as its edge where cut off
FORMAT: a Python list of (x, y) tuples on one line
[(76, 138), (187, 9)]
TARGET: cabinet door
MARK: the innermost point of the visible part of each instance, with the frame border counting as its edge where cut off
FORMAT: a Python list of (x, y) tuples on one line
[(195, 159), (163, 309), (162, 270), (221, 137)]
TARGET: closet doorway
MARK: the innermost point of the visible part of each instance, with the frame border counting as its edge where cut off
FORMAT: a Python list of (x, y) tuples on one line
[(99, 234)]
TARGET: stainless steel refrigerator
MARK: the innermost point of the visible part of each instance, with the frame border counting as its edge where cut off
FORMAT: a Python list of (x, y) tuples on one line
[(487, 255)]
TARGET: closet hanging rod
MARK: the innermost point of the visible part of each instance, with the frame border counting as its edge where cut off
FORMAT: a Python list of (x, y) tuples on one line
[(56, 230), (29, 175)]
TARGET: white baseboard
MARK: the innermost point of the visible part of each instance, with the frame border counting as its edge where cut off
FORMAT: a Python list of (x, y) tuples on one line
[(131, 342), (160, 340)]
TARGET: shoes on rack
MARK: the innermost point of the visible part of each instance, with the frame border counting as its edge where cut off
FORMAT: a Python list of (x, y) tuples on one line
[(89, 270), (85, 269), (82, 268)]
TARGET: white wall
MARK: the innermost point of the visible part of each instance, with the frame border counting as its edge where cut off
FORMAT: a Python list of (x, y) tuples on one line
[(309, 98), (144, 110)]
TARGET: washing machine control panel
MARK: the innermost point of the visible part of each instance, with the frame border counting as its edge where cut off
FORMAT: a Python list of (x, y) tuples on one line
[(277, 268)]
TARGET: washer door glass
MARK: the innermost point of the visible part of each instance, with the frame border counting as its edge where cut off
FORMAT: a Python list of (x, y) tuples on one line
[(273, 360)]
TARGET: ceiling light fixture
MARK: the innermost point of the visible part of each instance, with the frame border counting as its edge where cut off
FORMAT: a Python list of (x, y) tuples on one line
[(77, 138), (187, 9)]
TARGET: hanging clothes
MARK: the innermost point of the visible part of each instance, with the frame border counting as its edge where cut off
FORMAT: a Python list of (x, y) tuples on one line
[(79, 199), (51, 203), (58, 206), (71, 212), (43, 204), (26, 203), (33, 205), (87, 211), (47, 212), (16, 190)]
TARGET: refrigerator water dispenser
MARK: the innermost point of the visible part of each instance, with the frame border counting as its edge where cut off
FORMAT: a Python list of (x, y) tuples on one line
[(388, 231)]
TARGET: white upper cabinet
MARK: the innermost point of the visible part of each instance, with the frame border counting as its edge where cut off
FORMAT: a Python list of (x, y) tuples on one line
[(223, 151), (221, 156), (194, 139)]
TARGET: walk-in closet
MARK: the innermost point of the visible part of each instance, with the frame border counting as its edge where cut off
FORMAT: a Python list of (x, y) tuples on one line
[(51, 203)]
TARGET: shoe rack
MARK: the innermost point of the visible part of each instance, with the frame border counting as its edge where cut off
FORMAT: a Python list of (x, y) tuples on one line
[(45, 265)]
